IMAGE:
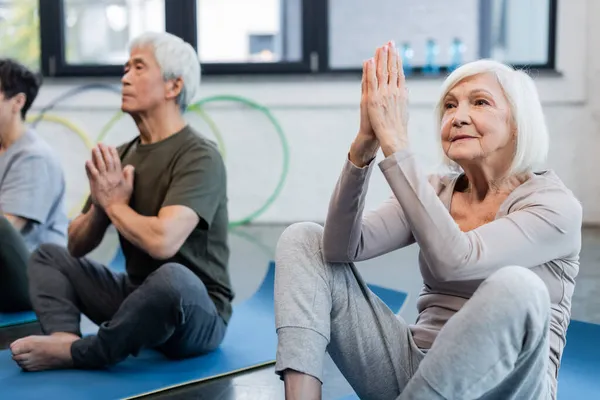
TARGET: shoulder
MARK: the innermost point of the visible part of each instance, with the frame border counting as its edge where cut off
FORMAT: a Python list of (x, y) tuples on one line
[(545, 190), (124, 147), (36, 151), (198, 147), (443, 182)]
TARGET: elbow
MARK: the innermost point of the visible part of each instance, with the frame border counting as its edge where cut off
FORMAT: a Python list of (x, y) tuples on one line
[(334, 256), (333, 253), (442, 269), (441, 275), (161, 248), (73, 247), (73, 251)]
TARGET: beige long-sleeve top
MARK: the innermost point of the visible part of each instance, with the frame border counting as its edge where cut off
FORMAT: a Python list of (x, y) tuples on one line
[(538, 227)]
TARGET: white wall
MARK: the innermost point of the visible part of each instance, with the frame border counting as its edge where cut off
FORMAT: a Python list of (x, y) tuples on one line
[(320, 118)]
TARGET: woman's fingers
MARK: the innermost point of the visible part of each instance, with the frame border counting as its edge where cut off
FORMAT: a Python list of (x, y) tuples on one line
[(382, 68), (371, 77), (392, 64), (364, 87), (400, 82)]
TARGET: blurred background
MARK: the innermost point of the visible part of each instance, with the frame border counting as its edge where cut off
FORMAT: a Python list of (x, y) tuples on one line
[(300, 60)]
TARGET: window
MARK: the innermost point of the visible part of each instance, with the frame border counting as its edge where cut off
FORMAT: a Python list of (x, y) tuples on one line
[(297, 36), (254, 36), (261, 48), (229, 31), (114, 22), (20, 32), (93, 35), (436, 34)]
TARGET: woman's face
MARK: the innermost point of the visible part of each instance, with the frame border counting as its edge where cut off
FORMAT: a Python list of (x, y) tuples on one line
[(477, 124)]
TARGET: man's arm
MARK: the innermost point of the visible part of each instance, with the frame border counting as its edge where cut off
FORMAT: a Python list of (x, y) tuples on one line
[(161, 236), (86, 231), (195, 192)]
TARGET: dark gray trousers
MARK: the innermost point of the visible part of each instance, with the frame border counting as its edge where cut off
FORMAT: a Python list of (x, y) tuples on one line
[(170, 311)]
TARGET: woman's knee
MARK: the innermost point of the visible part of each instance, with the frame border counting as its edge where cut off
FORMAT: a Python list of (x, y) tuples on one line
[(298, 256), (300, 237), (522, 288)]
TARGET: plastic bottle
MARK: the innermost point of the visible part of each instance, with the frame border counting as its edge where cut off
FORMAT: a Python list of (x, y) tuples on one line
[(431, 65), (407, 55), (457, 51)]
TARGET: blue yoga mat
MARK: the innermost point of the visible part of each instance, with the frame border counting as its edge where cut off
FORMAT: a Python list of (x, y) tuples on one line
[(250, 342), (19, 318), (579, 376)]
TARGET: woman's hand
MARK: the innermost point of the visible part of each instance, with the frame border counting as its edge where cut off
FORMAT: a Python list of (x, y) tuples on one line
[(387, 99), (365, 145)]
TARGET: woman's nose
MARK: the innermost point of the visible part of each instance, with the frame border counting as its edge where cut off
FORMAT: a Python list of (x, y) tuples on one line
[(461, 116)]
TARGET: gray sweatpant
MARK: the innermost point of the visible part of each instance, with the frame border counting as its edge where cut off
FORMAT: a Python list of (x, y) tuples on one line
[(495, 347)]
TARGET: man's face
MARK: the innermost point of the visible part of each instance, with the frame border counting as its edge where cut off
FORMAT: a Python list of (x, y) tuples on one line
[(143, 85)]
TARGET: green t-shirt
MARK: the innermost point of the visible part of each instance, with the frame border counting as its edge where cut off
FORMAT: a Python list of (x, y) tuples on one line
[(184, 169)]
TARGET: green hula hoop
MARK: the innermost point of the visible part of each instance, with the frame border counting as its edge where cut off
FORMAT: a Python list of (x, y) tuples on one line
[(284, 146)]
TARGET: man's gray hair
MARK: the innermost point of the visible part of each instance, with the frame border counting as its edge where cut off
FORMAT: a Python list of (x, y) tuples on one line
[(176, 59)]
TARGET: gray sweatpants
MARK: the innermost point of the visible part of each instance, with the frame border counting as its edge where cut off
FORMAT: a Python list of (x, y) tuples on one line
[(495, 347)]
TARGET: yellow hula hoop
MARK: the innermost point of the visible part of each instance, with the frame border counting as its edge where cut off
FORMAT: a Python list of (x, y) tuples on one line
[(80, 133)]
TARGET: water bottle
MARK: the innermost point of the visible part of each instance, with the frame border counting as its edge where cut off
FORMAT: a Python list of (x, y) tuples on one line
[(457, 50), (431, 65), (407, 58)]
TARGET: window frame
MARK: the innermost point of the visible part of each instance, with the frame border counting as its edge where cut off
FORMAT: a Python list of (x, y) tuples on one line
[(180, 20)]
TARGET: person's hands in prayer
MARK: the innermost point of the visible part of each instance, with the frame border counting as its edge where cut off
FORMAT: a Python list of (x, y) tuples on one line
[(109, 182), (387, 99), (365, 145)]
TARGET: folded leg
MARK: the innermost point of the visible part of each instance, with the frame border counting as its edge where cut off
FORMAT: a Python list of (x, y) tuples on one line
[(496, 347), (63, 287), (322, 307), (170, 311)]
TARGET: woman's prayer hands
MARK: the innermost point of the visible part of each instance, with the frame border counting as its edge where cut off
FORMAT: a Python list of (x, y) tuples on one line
[(387, 98)]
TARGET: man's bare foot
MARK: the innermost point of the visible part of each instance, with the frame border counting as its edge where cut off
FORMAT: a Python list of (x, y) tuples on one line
[(39, 353)]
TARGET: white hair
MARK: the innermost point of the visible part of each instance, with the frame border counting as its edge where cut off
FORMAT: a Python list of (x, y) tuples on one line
[(176, 59), (525, 107)]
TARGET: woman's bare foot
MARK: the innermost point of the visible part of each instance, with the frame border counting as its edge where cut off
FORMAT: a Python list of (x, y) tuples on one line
[(39, 353)]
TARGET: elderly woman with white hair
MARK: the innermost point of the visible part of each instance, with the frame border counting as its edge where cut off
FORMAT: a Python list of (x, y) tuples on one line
[(499, 247), (169, 206)]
